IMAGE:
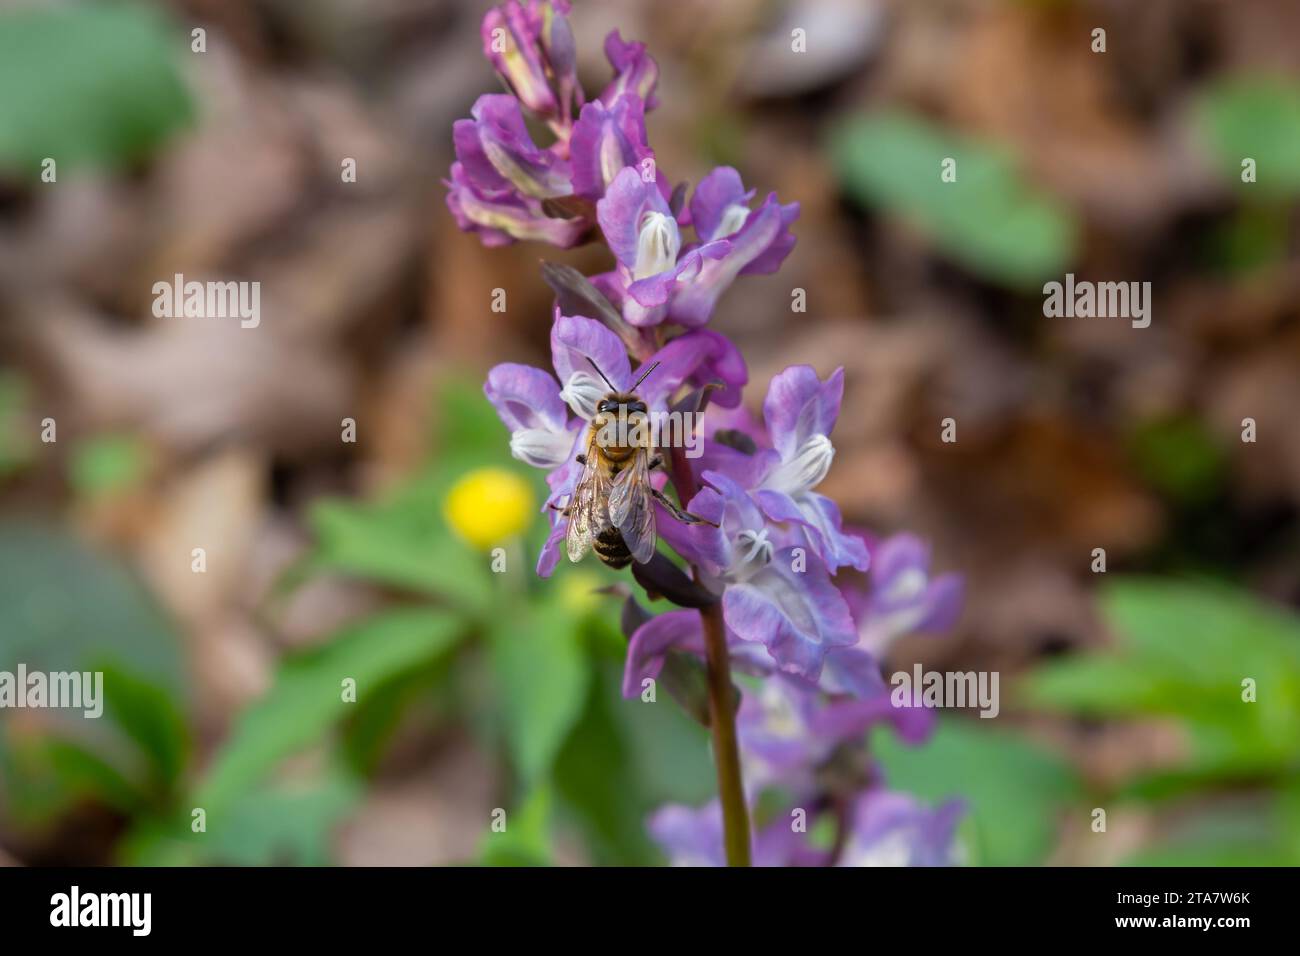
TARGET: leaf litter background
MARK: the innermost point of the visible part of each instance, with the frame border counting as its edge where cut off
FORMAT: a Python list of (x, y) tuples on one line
[(477, 692)]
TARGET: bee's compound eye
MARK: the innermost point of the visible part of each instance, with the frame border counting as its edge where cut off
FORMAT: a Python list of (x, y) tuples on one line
[(637, 407), (603, 407)]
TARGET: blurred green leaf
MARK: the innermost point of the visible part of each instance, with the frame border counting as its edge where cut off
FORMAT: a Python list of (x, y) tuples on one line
[(307, 697), (541, 671), (151, 718), (45, 776), (15, 447), (87, 84), (403, 543), (1224, 836), (525, 838), (469, 432), (1179, 458), (288, 823), (989, 218), (106, 463), (1256, 117), (1184, 651), (111, 623), (598, 776), (1013, 789), (111, 626)]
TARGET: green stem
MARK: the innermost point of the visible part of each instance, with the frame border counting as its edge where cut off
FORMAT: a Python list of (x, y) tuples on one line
[(722, 724), (722, 715)]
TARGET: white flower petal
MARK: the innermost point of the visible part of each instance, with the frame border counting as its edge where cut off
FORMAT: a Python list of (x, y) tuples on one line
[(657, 245), (804, 470), (541, 448)]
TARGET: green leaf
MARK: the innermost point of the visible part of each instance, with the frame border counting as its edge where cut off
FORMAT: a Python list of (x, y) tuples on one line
[(93, 84), (112, 626), (1013, 789), (988, 219), (598, 777), (150, 717), (541, 671), (1256, 117), (404, 543), (45, 776), (289, 824), (307, 697), (271, 824), (15, 446), (106, 463), (525, 839), (113, 622), (1179, 458), (1184, 650), (1225, 836)]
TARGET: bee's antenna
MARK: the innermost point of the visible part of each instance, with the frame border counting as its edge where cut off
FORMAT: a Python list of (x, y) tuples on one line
[(601, 374), (644, 376)]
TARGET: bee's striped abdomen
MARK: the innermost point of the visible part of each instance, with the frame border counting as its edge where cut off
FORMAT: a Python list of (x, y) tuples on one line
[(610, 547)]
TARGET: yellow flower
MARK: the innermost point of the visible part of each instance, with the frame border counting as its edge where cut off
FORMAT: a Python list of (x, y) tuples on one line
[(488, 506)]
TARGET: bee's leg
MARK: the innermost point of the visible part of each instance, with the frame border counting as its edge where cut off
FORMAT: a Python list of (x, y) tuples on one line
[(564, 511), (655, 462), (581, 459), (685, 517)]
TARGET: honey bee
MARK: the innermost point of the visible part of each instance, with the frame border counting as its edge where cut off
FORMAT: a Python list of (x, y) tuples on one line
[(611, 509)]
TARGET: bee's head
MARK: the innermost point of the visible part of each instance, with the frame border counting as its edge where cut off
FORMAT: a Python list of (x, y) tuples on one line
[(611, 403)]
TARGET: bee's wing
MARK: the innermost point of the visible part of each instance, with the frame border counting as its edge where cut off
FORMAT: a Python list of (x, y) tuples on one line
[(631, 509), (589, 494)]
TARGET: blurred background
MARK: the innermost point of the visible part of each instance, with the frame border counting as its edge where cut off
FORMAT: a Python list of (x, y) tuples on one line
[(479, 692)]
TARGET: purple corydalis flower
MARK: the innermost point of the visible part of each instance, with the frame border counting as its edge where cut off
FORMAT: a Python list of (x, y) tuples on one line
[(531, 47), (644, 235), (546, 413), (892, 829), (772, 595), (666, 280), (800, 412), (903, 597), (635, 71), (607, 139), (502, 217), (499, 155), (758, 241), (692, 836)]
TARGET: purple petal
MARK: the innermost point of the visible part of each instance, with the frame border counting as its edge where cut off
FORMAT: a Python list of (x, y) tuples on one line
[(769, 260), (693, 303), (716, 193), (897, 555), (621, 209), (892, 829), (577, 342), (652, 641), (845, 720), (849, 670), (551, 550), (820, 519), (944, 597), (511, 39), (504, 142), (604, 142), (797, 615), (526, 397), (776, 729), (502, 218), (798, 405), (635, 71)]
